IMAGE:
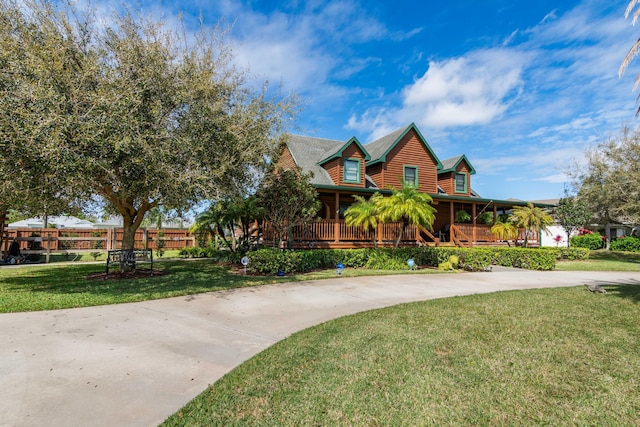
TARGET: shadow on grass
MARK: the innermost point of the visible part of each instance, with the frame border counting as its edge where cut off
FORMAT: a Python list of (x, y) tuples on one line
[(628, 290), (178, 278), (620, 256)]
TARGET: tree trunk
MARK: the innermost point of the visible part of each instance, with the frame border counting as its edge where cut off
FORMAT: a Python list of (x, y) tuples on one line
[(127, 261)]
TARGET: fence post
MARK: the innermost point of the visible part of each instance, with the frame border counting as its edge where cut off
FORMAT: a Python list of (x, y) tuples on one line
[(48, 248)]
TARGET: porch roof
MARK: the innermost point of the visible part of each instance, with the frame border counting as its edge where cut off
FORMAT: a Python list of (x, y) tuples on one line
[(443, 197)]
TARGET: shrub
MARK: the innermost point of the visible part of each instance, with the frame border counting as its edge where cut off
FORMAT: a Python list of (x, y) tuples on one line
[(270, 261), (385, 260), (569, 253), (591, 241), (627, 244)]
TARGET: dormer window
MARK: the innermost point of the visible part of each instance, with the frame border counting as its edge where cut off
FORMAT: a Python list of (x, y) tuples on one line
[(352, 171), (461, 182)]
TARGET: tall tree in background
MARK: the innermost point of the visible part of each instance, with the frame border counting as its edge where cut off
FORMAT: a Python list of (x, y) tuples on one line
[(609, 183), (571, 214), (633, 4), (128, 112)]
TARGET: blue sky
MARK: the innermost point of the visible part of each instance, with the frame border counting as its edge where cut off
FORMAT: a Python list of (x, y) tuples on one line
[(522, 88)]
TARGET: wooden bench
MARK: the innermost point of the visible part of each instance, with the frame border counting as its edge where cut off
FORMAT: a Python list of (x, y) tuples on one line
[(129, 257)]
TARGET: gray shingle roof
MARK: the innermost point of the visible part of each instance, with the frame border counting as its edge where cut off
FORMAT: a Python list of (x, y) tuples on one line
[(450, 164), (380, 146), (308, 151)]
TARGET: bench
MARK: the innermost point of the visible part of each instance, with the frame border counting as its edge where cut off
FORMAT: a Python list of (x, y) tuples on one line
[(129, 257)]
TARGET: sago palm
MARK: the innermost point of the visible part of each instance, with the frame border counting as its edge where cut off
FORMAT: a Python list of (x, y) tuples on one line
[(409, 206)]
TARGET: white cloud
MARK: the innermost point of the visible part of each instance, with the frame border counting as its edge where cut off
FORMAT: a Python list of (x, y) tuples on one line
[(474, 89)]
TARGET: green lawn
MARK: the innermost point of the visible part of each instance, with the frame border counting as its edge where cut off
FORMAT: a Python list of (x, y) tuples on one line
[(56, 286), (603, 260), (543, 357)]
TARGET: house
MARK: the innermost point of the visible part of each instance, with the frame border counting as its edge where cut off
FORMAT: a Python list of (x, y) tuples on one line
[(65, 221), (342, 169)]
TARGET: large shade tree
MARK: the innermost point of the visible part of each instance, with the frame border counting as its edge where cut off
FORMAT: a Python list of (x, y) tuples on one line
[(609, 182), (125, 112)]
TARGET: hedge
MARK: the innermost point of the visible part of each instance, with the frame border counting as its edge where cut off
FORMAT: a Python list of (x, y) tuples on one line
[(592, 241), (628, 244), (270, 261)]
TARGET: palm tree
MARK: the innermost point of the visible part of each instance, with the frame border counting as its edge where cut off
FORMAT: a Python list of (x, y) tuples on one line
[(635, 48), (364, 213), (409, 206), (504, 231), (531, 218), (215, 220)]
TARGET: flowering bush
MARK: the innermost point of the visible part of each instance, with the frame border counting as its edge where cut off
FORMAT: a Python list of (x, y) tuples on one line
[(583, 231), (558, 239)]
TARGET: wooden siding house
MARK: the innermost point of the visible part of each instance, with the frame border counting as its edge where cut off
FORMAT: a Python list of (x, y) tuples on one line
[(342, 169)]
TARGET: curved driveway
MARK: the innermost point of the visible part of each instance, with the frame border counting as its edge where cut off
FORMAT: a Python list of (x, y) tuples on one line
[(136, 364)]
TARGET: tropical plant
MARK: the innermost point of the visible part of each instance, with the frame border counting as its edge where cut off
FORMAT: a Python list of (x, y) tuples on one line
[(462, 216), (486, 218), (364, 213), (505, 230), (532, 219), (218, 221), (409, 206)]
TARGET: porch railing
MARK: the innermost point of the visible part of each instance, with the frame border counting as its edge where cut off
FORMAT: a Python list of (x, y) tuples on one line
[(332, 231)]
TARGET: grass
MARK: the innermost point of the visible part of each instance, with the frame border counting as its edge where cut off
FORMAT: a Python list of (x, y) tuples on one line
[(57, 286), (87, 257), (603, 260), (541, 357)]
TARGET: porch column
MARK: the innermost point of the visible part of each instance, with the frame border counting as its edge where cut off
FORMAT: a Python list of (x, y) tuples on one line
[(451, 221), (336, 224), (473, 218)]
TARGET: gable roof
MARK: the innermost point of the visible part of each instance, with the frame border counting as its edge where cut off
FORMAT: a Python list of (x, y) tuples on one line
[(333, 153), (308, 151), (450, 165), (381, 147)]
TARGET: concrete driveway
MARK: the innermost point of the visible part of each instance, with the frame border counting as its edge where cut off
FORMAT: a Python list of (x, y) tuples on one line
[(136, 364)]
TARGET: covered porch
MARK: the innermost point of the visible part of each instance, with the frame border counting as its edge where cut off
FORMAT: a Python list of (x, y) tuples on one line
[(331, 231)]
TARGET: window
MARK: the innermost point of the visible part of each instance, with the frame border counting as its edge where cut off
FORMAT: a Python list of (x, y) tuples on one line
[(352, 170), (461, 182), (411, 175)]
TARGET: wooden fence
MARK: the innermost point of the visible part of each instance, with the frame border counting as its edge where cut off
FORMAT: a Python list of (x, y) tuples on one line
[(65, 240)]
